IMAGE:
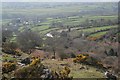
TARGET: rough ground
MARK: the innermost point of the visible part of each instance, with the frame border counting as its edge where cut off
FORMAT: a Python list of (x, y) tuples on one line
[(77, 70)]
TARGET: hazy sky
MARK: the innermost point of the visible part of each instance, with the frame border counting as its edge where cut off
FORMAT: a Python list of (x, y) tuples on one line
[(60, 0)]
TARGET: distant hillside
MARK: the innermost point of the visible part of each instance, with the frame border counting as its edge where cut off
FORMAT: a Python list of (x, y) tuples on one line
[(14, 9)]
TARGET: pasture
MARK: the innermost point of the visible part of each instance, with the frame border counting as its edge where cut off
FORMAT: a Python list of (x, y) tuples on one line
[(76, 33), (76, 72), (98, 34)]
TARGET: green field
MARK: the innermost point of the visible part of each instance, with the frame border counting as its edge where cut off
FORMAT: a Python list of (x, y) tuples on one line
[(4, 21), (98, 34), (46, 11), (76, 33), (72, 20), (94, 29), (40, 28), (77, 20), (91, 73), (8, 57), (46, 31)]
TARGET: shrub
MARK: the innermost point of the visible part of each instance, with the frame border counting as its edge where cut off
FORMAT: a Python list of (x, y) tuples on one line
[(37, 70), (8, 67), (72, 55), (65, 72), (86, 59), (34, 70), (26, 61), (63, 56), (35, 61), (80, 58)]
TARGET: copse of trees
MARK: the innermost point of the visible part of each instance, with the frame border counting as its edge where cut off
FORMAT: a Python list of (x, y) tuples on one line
[(57, 44), (9, 46), (6, 35), (50, 45), (28, 40)]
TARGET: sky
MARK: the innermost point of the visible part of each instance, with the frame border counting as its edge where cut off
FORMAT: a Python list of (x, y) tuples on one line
[(59, 0)]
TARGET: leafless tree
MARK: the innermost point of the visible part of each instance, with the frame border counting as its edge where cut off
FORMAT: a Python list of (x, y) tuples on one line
[(28, 40)]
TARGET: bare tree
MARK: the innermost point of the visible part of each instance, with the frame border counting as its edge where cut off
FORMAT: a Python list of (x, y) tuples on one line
[(6, 34), (28, 40)]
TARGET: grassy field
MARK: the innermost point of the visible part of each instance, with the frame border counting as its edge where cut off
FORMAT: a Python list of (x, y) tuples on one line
[(4, 21), (76, 20), (98, 34), (94, 29), (71, 10), (72, 20), (103, 17), (40, 28), (50, 11), (48, 30), (76, 33), (91, 73), (21, 29)]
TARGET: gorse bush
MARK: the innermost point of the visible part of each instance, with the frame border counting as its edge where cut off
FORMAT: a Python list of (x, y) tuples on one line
[(65, 72), (37, 70), (33, 70), (8, 67), (89, 60), (80, 58)]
